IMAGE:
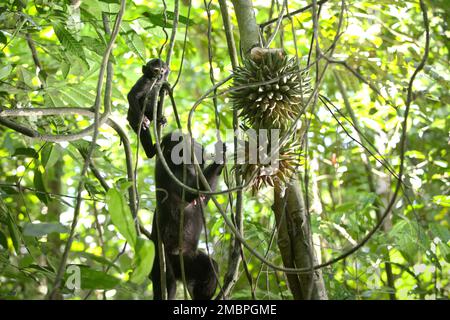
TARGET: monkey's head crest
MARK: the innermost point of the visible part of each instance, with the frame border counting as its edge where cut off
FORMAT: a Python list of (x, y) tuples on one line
[(155, 68)]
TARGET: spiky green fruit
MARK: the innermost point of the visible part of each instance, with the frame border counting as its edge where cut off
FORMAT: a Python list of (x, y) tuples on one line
[(270, 92), (258, 175)]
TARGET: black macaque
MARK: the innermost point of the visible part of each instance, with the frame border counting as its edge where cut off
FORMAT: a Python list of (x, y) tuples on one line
[(155, 74), (200, 269)]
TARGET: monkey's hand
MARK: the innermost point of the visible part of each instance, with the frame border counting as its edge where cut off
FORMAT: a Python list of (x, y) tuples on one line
[(167, 88), (162, 121), (199, 200), (145, 123)]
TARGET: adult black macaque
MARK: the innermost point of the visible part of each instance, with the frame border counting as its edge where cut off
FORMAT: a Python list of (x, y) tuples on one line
[(155, 74), (199, 268)]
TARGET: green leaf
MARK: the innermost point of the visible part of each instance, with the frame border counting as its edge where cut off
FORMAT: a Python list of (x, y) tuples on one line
[(98, 259), (83, 147), (38, 182), (8, 190), (133, 41), (52, 99), (25, 76), (49, 155), (442, 200), (93, 279), (121, 215), (41, 229), (13, 231), (43, 270), (94, 45), (158, 19), (65, 69), (440, 231), (408, 239), (68, 41), (445, 251), (5, 71), (3, 241), (345, 207), (28, 152), (80, 94), (161, 21), (3, 39), (144, 254), (415, 154)]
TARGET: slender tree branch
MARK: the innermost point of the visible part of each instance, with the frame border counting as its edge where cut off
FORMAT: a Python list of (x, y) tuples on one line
[(293, 13)]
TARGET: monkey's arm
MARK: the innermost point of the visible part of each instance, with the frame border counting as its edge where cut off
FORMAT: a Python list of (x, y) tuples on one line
[(135, 96), (211, 173)]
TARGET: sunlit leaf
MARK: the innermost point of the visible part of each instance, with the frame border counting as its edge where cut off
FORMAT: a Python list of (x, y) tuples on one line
[(121, 215), (93, 279), (144, 254), (42, 229), (38, 182), (67, 40), (28, 152)]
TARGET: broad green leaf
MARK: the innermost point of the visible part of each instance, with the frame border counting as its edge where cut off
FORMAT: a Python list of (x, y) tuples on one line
[(38, 182), (93, 279), (80, 94), (5, 71), (3, 39), (50, 154), (408, 239), (441, 232), (68, 41), (161, 21), (65, 69), (144, 254), (3, 241), (26, 260), (442, 200), (83, 147), (121, 215), (52, 99), (98, 259), (445, 251), (345, 207), (28, 152), (42, 229), (12, 228), (9, 190), (26, 76), (93, 44), (415, 154), (133, 41), (44, 270)]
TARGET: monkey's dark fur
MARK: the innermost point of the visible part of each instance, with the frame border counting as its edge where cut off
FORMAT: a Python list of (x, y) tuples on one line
[(200, 275), (155, 73)]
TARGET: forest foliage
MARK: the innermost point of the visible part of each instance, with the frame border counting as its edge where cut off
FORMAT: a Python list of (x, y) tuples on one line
[(51, 57)]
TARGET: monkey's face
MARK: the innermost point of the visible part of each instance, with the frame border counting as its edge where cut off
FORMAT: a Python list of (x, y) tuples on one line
[(155, 68)]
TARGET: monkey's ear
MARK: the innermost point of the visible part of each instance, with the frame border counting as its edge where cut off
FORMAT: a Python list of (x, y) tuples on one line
[(144, 69)]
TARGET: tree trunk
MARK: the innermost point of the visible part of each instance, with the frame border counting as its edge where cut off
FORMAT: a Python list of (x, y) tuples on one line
[(312, 284), (294, 235)]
